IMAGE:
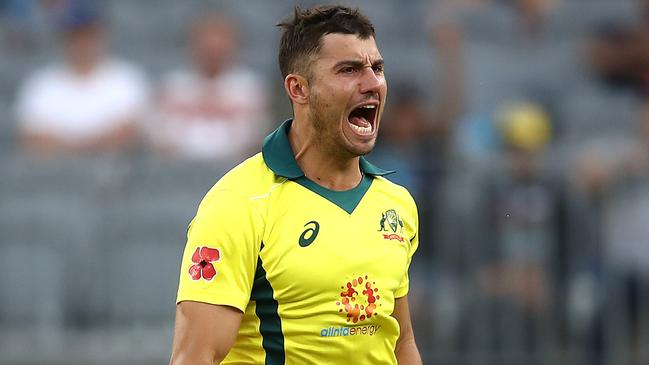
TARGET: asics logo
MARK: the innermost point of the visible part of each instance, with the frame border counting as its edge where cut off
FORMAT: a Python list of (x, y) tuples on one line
[(310, 233)]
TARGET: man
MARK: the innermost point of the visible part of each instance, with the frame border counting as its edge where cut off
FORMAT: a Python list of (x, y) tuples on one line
[(287, 260), (89, 104), (217, 109)]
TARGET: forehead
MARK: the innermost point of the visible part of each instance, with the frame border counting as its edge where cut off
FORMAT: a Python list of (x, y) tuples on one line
[(337, 47)]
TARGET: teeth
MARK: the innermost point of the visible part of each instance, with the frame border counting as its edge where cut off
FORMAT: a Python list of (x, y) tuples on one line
[(368, 106), (361, 130)]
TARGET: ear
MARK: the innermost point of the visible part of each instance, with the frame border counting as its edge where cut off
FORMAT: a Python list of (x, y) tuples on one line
[(297, 88)]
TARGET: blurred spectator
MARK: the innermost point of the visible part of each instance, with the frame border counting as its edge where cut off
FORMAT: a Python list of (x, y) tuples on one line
[(403, 133), (619, 55), (217, 108), (619, 52), (87, 104), (490, 52), (525, 240), (618, 186)]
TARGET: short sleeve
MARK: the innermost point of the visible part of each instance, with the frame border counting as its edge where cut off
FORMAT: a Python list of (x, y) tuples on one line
[(220, 256), (413, 239)]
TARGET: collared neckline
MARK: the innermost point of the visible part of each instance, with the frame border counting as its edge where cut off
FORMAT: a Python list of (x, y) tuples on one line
[(278, 155)]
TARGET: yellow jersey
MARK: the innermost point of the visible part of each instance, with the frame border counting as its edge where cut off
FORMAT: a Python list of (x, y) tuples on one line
[(315, 272)]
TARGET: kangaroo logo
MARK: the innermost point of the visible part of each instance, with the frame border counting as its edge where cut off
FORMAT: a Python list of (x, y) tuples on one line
[(394, 222)]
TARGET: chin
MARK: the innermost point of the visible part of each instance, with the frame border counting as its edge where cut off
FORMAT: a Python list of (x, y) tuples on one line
[(361, 149)]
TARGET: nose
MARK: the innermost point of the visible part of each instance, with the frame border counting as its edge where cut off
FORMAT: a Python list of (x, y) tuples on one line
[(370, 81)]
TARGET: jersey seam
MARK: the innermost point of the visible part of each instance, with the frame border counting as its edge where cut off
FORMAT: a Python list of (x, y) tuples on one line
[(249, 200), (267, 194)]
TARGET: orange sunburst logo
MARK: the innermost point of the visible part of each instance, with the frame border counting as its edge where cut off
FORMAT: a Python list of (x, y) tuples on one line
[(358, 306)]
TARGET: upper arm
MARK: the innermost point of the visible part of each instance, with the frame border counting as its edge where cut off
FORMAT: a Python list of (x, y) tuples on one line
[(204, 333), (402, 315), (216, 277), (406, 348)]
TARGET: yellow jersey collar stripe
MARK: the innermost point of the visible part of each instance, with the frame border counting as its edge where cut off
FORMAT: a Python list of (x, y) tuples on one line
[(279, 157)]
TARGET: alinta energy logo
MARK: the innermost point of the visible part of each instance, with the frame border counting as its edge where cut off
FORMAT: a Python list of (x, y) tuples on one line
[(358, 302), (394, 223)]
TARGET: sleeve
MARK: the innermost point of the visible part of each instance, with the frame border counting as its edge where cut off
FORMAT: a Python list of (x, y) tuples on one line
[(220, 257), (412, 228)]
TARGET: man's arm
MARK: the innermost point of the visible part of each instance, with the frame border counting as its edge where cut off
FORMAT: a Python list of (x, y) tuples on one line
[(406, 351), (204, 333)]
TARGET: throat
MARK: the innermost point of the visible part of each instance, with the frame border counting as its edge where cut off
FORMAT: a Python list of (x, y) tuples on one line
[(330, 170), (325, 164), (337, 183)]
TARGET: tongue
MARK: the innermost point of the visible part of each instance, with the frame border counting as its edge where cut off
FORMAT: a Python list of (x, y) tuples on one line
[(359, 121)]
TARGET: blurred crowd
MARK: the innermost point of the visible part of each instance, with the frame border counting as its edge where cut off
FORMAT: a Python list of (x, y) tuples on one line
[(90, 101), (528, 155)]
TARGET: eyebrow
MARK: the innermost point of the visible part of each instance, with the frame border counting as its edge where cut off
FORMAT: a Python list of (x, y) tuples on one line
[(358, 64)]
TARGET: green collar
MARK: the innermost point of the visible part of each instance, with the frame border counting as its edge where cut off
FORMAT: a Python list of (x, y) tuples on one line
[(279, 157)]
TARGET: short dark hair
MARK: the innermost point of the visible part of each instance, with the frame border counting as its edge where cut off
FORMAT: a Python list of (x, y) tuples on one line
[(302, 33)]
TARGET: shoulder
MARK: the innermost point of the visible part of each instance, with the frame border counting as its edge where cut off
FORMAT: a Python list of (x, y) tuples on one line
[(40, 88), (249, 180), (394, 190), (239, 195), (400, 197), (45, 76)]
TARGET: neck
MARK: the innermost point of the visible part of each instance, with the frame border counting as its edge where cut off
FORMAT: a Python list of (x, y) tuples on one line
[(209, 73), (83, 69), (319, 164)]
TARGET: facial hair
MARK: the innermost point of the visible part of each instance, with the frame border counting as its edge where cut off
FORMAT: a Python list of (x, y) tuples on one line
[(329, 137)]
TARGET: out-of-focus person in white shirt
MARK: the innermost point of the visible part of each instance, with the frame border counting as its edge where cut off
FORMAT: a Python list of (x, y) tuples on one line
[(88, 102), (217, 108)]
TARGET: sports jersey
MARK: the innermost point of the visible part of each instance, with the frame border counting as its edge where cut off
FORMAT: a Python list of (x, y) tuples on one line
[(315, 272)]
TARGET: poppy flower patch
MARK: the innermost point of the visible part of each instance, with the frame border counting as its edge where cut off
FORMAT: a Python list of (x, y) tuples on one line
[(203, 258)]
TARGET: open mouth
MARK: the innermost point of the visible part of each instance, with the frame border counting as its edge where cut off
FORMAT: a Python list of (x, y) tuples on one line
[(363, 119)]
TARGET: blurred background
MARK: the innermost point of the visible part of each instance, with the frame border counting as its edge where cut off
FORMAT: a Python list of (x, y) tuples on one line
[(520, 126)]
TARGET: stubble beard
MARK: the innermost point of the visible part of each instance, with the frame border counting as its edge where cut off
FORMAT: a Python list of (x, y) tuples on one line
[(330, 137)]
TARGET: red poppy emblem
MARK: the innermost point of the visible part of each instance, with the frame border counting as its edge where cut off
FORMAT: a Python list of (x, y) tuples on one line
[(202, 259)]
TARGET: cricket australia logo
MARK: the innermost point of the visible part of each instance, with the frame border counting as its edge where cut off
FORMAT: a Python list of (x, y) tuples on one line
[(390, 221)]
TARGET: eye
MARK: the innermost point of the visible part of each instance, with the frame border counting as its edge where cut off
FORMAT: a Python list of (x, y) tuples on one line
[(348, 70), (377, 68)]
